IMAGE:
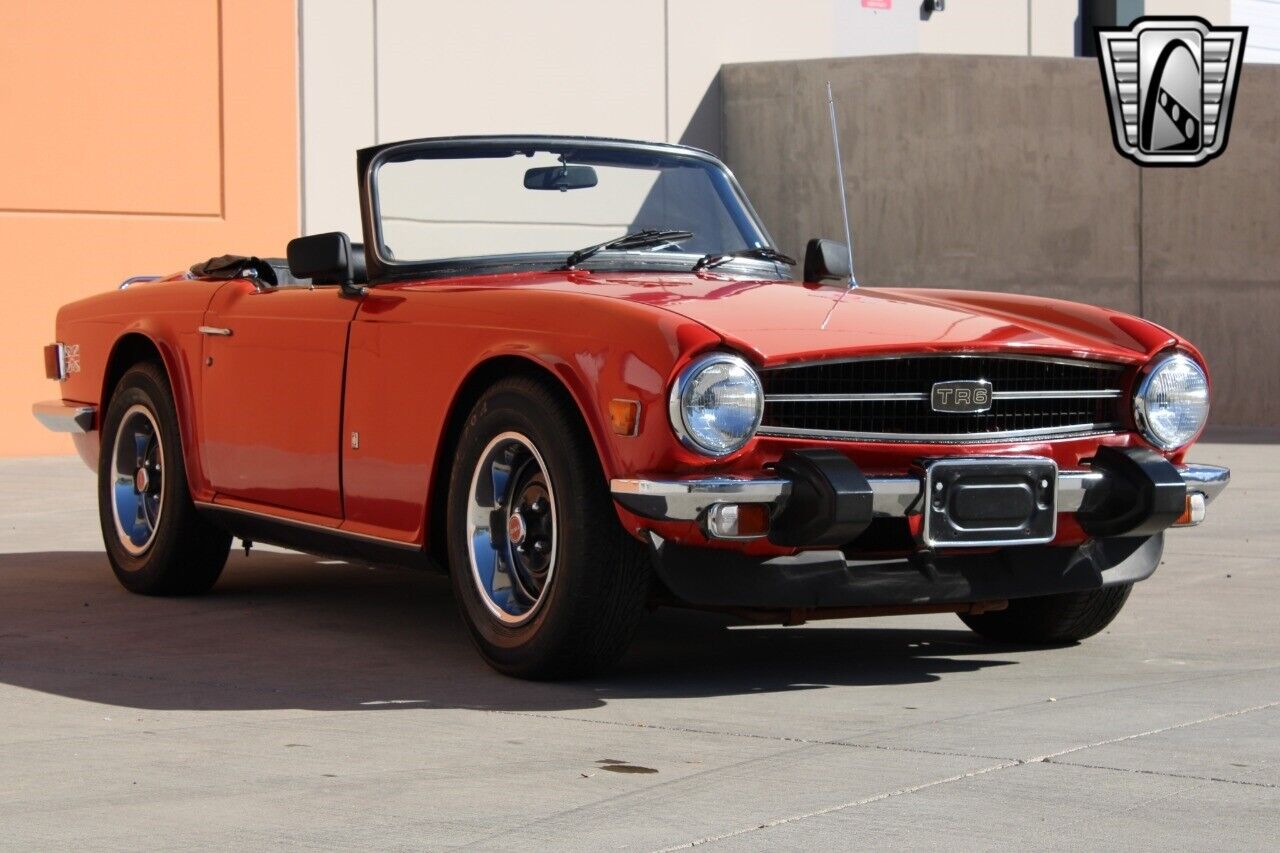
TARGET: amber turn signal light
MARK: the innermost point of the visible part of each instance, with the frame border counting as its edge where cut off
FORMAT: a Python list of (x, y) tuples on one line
[(1194, 512), (624, 416)]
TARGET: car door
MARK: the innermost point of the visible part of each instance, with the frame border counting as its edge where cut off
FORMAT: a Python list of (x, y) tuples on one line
[(272, 395)]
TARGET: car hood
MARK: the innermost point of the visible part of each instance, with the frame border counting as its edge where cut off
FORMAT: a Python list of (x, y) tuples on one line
[(780, 321)]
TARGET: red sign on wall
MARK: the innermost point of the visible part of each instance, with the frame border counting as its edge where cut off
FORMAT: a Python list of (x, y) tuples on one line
[(877, 4)]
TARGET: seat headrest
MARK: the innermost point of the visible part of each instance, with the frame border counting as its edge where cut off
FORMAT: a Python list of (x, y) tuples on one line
[(359, 271)]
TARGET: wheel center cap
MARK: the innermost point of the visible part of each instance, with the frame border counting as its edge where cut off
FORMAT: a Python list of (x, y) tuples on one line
[(516, 529), (141, 480)]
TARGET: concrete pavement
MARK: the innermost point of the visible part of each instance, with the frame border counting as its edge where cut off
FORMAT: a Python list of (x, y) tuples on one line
[(313, 704)]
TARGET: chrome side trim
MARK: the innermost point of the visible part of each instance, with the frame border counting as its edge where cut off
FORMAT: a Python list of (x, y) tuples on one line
[(1073, 486), (58, 416), (1076, 362), (306, 525), (134, 279), (685, 500), (929, 438), (1208, 480), (915, 396), (214, 330), (894, 496), (1057, 395)]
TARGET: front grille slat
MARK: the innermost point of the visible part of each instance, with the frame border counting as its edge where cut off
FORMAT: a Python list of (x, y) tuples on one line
[(888, 399)]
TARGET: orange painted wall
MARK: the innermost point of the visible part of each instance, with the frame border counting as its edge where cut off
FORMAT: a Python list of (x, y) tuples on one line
[(139, 137)]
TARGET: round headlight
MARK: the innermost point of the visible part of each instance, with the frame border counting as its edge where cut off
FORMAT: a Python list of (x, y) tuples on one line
[(716, 404), (1172, 402)]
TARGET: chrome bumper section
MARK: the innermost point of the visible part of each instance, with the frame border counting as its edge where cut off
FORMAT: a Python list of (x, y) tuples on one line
[(58, 416), (687, 500)]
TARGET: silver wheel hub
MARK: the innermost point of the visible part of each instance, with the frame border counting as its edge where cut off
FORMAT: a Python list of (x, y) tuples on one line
[(511, 528), (137, 486)]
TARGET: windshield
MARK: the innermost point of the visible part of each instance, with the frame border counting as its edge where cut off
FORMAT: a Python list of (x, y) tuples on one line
[(493, 204)]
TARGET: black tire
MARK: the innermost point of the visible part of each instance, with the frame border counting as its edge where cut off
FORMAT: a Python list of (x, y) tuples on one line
[(1052, 619), (183, 553), (598, 583)]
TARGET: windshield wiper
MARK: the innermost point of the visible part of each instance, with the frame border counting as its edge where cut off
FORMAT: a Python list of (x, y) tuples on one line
[(758, 253), (650, 238)]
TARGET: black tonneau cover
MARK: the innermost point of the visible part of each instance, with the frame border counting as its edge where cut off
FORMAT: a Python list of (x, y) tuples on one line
[(272, 271)]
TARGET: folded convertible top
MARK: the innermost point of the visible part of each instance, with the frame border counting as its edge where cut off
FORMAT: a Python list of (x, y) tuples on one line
[(272, 271)]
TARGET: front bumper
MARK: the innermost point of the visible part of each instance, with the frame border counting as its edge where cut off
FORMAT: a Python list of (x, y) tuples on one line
[(891, 497), (819, 503)]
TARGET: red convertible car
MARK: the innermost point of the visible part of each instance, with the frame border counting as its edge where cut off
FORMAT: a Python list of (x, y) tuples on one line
[(576, 374)]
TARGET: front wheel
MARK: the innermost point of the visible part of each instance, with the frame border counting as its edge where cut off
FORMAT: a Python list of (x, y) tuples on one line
[(549, 583), (156, 541), (1050, 619)]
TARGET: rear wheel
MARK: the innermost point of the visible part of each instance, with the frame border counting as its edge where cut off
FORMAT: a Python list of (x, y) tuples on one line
[(549, 583), (1052, 619), (156, 541)]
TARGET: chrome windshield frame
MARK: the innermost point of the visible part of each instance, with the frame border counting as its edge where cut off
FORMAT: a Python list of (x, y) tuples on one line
[(369, 160)]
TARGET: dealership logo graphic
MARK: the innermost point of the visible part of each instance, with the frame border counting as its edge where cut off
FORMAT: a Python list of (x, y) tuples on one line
[(961, 396), (1170, 83)]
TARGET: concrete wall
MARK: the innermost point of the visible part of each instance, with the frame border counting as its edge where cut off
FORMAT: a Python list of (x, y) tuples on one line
[(999, 173), (379, 70), (140, 138)]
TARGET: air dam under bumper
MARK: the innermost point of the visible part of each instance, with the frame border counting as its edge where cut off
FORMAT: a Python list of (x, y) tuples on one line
[(825, 579), (819, 501)]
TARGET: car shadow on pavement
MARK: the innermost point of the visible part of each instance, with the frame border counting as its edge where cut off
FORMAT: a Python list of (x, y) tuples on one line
[(291, 631)]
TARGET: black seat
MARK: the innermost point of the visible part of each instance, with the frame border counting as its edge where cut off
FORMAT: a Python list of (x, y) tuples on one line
[(286, 278), (272, 271), (360, 272)]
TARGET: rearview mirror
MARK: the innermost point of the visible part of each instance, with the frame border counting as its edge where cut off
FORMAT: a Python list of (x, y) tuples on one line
[(562, 178), (826, 260), (323, 258)]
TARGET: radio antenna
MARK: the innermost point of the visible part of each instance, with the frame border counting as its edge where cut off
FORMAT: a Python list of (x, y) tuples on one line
[(844, 202)]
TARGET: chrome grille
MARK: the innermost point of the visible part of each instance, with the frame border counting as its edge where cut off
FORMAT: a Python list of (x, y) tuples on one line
[(888, 399)]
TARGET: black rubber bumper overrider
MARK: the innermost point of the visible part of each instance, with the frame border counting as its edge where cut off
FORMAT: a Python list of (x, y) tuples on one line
[(830, 502), (1143, 494)]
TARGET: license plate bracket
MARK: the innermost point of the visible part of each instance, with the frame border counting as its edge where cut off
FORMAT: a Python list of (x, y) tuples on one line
[(979, 502)]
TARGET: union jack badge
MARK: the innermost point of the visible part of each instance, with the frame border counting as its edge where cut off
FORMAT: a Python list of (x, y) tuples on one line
[(1170, 84)]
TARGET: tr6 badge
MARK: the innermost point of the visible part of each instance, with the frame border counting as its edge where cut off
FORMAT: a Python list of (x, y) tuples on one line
[(961, 396), (1170, 83)]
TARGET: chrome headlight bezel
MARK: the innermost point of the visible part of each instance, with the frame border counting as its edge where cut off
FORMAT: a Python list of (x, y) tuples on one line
[(1141, 401), (678, 400)]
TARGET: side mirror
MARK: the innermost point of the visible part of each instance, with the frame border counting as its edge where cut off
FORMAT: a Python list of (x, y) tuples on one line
[(562, 178), (826, 260), (325, 259)]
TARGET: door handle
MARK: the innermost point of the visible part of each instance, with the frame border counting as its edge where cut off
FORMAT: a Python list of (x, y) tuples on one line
[(215, 330)]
